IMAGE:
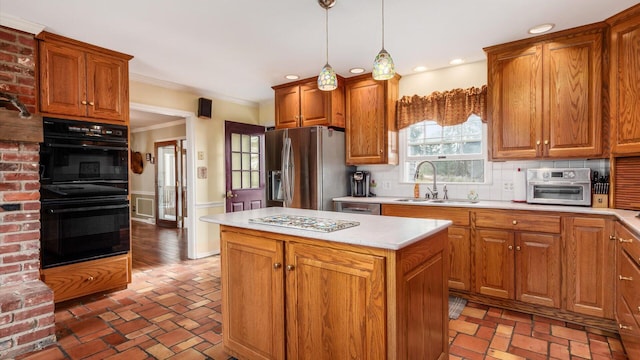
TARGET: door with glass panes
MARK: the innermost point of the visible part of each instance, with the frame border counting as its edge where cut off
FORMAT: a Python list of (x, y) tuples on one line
[(245, 176)]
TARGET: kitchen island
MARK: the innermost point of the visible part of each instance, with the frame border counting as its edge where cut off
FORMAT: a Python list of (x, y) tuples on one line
[(305, 284)]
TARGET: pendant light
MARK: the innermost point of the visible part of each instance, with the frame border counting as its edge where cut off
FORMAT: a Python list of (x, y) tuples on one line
[(383, 67), (327, 80)]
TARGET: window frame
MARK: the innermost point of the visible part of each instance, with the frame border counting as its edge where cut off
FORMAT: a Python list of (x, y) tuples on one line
[(403, 158)]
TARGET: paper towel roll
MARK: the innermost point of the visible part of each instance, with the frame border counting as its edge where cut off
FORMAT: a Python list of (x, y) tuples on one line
[(519, 186)]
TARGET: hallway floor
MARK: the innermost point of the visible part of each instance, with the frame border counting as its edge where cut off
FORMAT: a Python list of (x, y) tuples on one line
[(171, 310)]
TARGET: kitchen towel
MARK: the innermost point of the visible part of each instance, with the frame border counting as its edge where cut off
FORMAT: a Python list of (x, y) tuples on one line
[(519, 185)]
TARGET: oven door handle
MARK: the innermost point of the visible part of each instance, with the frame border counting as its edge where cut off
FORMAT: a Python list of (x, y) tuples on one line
[(88, 208), (94, 147), (556, 190)]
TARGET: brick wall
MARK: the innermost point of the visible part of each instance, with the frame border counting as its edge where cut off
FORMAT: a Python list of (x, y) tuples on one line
[(26, 303)]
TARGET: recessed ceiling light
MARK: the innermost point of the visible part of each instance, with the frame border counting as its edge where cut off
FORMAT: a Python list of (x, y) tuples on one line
[(541, 28), (420, 68), (356, 70), (292, 77), (456, 61)]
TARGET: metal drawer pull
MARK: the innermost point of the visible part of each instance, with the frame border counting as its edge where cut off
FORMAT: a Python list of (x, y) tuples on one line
[(515, 222), (277, 266), (518, 248), (90, 278), (627, 278), (624, 327), (628, 241), (290, 267), (510, 247)]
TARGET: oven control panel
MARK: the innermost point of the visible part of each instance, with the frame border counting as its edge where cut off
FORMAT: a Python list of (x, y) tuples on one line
[(559, 175)]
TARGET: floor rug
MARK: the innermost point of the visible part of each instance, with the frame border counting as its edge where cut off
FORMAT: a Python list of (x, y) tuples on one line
[(456, 305)]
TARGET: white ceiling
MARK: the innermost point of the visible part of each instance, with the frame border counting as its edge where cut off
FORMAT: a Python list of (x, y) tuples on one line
[(238, 49)]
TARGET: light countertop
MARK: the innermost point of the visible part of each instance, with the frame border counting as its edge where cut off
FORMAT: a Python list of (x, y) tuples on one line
[(627, 217), (385, 232)]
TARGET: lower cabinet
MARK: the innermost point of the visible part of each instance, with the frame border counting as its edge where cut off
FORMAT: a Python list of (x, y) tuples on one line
[(298, 298), (88, 277), (628, 290), (516, 263), (590, 264)]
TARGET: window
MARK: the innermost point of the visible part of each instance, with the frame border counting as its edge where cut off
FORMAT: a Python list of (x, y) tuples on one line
[(458, 152)]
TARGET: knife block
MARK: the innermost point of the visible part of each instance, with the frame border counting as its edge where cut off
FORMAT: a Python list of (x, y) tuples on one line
[(600, 201)]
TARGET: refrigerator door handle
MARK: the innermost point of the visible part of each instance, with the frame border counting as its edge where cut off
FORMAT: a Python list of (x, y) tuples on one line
[(286, 171), (291, 173)]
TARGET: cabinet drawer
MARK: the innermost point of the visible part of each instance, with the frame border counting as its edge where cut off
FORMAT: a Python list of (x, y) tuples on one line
[(629, 283), (510, 220), (628, 327), (459, 216), (628, 242), (75, 280)]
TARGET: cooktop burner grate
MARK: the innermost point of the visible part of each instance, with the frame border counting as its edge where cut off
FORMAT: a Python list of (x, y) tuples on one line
[(305, 222)]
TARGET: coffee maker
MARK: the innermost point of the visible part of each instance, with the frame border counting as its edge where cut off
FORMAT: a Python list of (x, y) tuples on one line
[(360, 183)]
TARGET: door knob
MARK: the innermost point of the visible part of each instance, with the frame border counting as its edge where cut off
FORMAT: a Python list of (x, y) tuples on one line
[(230, 195), (290, 267), (277, 266), (510, 247)]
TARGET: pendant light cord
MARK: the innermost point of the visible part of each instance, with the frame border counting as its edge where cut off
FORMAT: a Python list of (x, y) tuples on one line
[(382, 24), (326, 23)]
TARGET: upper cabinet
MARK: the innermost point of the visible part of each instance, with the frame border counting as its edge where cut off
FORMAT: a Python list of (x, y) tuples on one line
[(545, 96), (371, 133), (302, 104), (82, 81), (625, 82)]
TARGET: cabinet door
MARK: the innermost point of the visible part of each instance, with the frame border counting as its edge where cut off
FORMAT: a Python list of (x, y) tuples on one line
[(107, 84), (366, 129), (590, 266), (625, 86), (494, 263), (315, 105), (515, 103), (538, 269), (62, 80), (253, 308), (459, 258), (335, 304), (287, 101), (572, 90)]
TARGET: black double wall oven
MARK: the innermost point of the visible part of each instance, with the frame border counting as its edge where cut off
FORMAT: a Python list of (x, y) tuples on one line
[(83, 191)]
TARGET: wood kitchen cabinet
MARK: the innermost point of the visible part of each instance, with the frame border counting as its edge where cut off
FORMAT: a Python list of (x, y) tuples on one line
[(88, 277), (371, 132), (624, 82), (517, 256), (302, 104), (459, 238), (297, 298), (545, 97), (590, 263), (81, 81), (628, 289)]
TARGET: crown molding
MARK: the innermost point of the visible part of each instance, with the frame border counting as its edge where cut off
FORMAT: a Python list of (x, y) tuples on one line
[(17, 23), (189, 89)]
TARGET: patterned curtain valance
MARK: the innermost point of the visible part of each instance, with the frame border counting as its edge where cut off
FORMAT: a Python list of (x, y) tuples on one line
[(447, 108)]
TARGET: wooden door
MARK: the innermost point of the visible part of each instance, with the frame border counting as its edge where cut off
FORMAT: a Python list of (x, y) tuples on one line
[(245, 169), (572, 96), (335, 304), (459, 258), (538, 269), (365, 124), (253, 296), (494, 263), (589, 259), (515, 103), (62, 80), (287, 103), (107, 81), (625, 86), (167, 183)]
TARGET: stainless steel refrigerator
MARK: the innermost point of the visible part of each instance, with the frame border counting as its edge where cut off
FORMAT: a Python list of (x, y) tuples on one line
[(306, 167)]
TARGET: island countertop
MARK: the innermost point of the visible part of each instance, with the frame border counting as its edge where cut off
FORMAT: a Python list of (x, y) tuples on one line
[(385, 232)]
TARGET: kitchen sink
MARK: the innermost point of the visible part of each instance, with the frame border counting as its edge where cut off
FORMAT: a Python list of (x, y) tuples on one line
[(438, 201), (414, 200)]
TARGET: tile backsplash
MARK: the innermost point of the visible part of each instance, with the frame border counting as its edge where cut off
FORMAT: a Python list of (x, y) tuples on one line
[(500, 185)]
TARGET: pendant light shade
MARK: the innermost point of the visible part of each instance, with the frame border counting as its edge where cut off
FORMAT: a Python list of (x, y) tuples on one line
[(327, 80), (383, 67)]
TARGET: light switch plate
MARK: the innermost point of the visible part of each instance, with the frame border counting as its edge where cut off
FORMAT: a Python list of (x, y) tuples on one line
[(200, 155)]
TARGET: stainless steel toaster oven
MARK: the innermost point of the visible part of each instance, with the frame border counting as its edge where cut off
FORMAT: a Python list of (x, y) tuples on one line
[(560, 186)]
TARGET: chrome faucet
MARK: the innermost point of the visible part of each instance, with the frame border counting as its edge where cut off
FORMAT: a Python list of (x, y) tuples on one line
[(434, 190)]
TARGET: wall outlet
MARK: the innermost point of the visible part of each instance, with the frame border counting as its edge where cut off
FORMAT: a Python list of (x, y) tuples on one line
[(507, 186), (386, 185)]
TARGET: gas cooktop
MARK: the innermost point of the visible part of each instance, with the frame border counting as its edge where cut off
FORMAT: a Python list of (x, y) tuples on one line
[(305, 222)]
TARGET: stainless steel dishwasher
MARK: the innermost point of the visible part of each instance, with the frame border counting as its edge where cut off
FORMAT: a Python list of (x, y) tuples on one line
[(357, 207)]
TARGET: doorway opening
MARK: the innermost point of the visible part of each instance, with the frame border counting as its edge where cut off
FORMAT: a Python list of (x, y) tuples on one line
[(171, 183)]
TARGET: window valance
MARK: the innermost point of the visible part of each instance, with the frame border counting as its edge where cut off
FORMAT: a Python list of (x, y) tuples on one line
[(451, 107)]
